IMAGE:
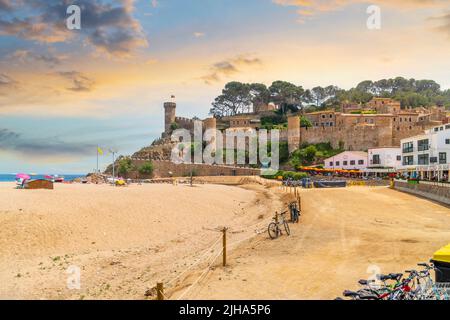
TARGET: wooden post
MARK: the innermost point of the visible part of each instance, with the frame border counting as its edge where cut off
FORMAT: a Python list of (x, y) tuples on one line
[(159, 291), (299, 203), (224, 248)]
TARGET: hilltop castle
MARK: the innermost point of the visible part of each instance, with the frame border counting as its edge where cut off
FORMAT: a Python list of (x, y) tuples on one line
[(379, 123)]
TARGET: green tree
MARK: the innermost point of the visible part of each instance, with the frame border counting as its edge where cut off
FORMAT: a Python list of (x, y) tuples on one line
[(319, 96), (147, 168), (305, 122), (304, 156), (174, 126), (287, 95), (235, 99), (260, 95), (126, 166)]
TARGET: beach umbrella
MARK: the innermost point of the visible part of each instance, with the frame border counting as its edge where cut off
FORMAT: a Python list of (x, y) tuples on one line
[(48, 177), (22, 176)]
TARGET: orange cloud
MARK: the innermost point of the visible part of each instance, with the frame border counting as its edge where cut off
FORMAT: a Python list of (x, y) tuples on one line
[(311, 7)]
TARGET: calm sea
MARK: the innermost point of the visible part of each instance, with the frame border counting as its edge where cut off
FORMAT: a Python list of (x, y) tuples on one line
[(12, 177)]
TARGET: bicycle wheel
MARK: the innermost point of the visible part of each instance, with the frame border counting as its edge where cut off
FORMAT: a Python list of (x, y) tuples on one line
[(286, 227), (273, 230)]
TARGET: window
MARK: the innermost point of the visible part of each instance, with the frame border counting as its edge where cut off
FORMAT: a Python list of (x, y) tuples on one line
[(447, 126), (323, 116), (345, 163), (407, 161), (423, 159), (423, 145), (442, 157), (331, 116), (399, 158), (360, 162), (436, 129), (338, 163), (352, 162), (408, 147), (441, 128), (376, 159), (447, 141), (331, 163)]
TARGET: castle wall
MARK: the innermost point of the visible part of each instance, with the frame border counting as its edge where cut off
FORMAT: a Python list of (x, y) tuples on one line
[(185, 123), (166, 169), (293, 133), (355, 138)]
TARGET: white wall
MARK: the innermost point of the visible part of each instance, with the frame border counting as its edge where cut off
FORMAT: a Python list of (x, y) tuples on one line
[(348, 156), (388, 157)]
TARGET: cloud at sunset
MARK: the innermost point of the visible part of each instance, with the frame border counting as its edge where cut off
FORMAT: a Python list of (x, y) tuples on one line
[(107, 27), (131, 55), (229, 67)]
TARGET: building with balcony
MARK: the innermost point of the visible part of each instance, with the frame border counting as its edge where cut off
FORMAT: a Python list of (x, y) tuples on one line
[(427, 156)]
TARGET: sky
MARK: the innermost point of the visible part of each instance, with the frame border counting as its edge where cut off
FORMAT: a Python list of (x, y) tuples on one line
[(63, 92)]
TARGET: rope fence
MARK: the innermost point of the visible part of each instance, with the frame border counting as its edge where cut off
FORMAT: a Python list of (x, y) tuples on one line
[(212, 252)]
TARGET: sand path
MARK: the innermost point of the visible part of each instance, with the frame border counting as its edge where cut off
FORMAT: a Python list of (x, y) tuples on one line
[(344, 235)]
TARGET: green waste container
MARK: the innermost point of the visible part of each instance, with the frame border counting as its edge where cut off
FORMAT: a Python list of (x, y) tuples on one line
[(441, 261)]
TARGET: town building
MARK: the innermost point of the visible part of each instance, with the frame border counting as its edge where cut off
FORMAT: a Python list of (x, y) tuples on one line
[(427, 156), (381, 122), (347, 160), (384, 158), (382, 161)]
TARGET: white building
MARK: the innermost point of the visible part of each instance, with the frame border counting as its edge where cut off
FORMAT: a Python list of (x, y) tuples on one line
[(347, 160), (428, 155), (383, 160)]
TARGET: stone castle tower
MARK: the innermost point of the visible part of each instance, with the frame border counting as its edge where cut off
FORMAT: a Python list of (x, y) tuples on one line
[(169, 115)]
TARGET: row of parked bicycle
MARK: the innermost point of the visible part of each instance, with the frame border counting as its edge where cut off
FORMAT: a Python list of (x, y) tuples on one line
[(412, 285)]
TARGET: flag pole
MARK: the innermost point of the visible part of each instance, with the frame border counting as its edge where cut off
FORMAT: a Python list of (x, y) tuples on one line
[(97, 159)]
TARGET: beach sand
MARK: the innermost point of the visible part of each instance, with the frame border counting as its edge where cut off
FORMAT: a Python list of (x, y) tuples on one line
[(125, 240)]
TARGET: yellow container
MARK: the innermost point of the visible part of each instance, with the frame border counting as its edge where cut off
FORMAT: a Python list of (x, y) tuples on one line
[(442, 255)]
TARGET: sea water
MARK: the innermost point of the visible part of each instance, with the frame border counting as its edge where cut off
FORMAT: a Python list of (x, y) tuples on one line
[(12, 177)]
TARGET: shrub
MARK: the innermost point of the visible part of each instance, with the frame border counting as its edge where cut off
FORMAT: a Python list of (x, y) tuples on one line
[(126, 166), (147, 168)]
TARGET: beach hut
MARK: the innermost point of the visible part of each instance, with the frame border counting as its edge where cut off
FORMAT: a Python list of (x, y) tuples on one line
[(39, 184)]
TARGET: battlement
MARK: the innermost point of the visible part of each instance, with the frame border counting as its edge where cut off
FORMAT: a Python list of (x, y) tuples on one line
[(183, 119)]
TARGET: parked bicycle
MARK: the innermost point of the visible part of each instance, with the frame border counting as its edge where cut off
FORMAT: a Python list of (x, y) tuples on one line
[(295, 212), (279, 222), (413, 285)]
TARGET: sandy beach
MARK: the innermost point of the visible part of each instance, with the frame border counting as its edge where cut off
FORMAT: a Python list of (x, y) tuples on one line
[(344, 235), (125, 240)]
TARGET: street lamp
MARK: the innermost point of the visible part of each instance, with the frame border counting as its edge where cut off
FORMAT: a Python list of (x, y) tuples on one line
[(113, 152)]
